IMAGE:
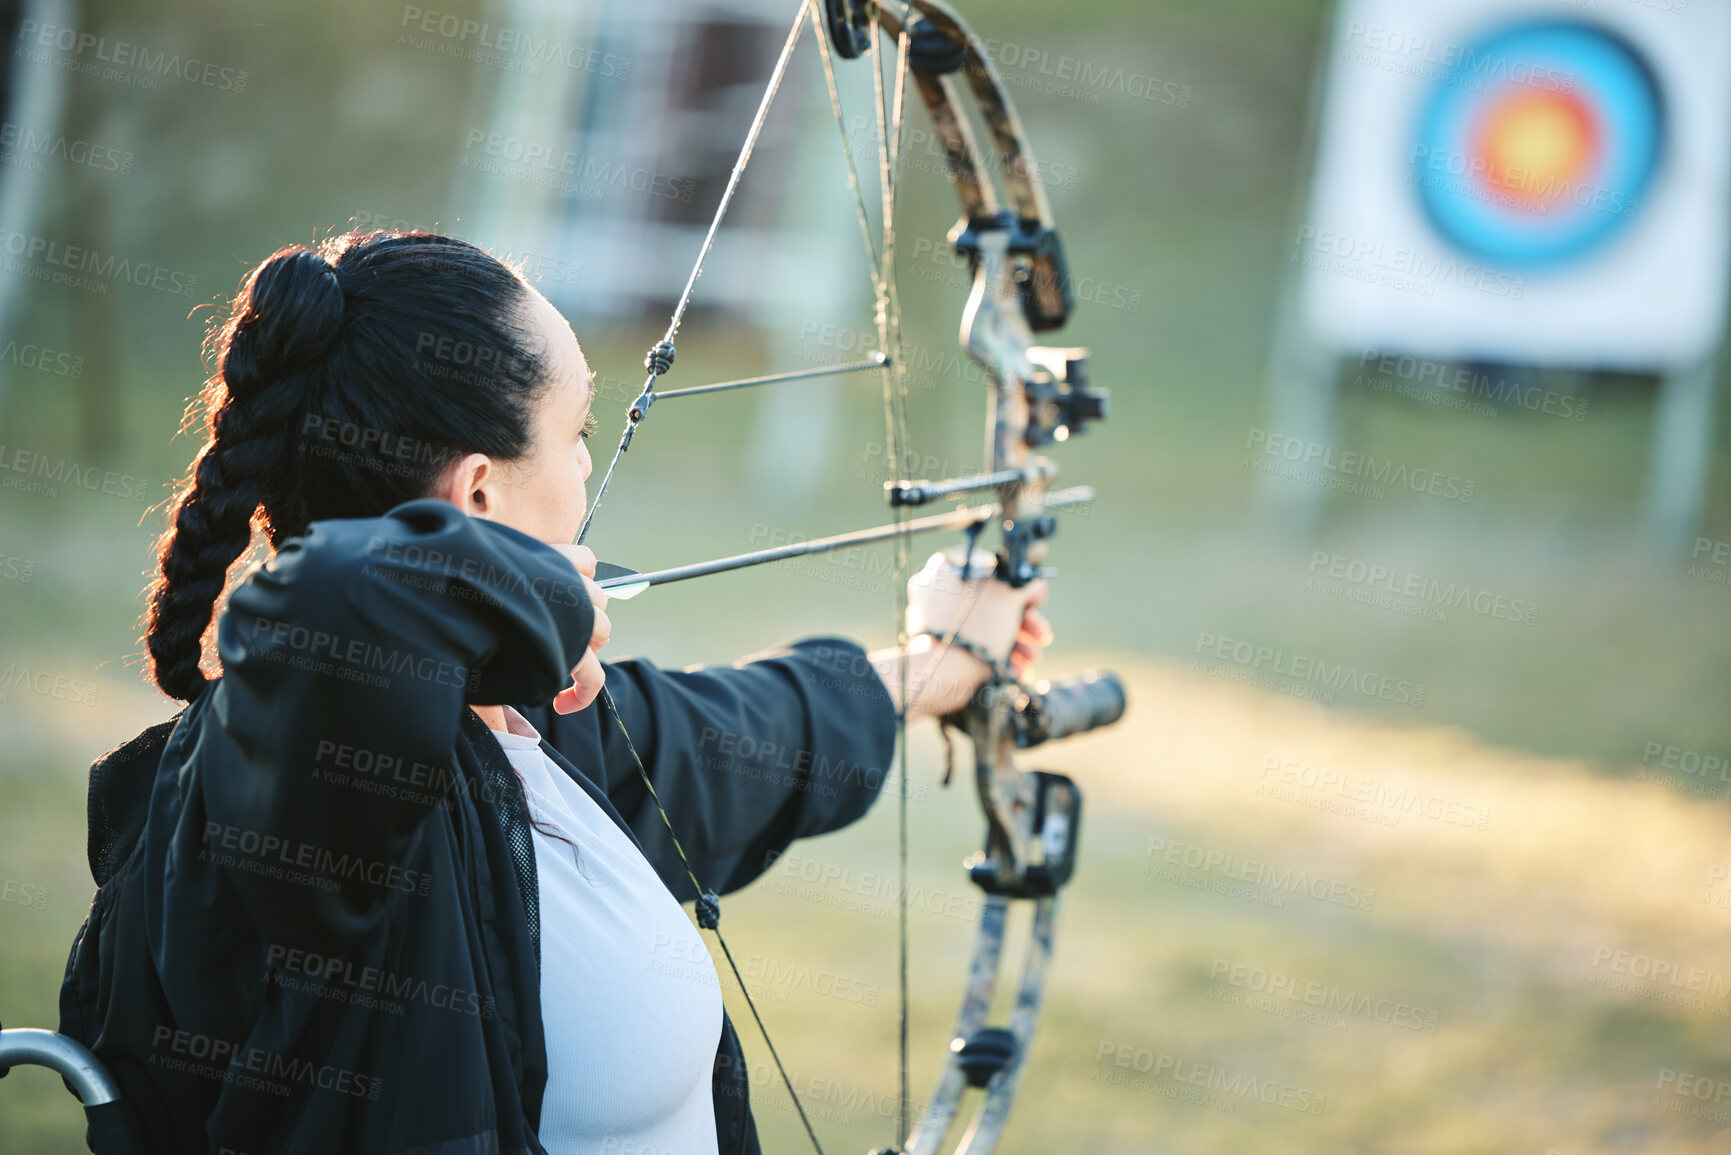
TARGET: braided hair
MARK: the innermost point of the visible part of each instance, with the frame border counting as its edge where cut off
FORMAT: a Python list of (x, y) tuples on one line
[(348, 377)]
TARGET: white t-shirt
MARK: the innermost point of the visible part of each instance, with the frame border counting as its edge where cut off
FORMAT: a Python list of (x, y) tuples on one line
[(630, 1002)]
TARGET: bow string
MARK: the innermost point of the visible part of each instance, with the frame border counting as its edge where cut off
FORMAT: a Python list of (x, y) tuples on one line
[(1037, 396)]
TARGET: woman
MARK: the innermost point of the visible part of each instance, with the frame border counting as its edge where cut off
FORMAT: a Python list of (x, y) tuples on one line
[(392, 881)]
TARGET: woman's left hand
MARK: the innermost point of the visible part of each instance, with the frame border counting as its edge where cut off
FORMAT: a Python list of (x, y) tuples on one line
[(1000, 620)]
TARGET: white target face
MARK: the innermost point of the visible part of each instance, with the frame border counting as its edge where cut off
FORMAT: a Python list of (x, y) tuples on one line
[(1524, 182)]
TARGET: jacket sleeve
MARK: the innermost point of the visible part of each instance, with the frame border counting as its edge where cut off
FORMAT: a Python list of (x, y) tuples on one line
[(348, 659), (791, 743)]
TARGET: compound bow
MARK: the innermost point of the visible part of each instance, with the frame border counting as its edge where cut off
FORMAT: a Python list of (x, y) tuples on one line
[(1038, 396)]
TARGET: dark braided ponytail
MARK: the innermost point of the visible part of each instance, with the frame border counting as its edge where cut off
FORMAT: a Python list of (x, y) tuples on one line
[(347, 378)]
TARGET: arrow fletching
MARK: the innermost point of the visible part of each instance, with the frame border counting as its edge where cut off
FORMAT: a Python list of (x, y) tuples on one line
[(615, 579)]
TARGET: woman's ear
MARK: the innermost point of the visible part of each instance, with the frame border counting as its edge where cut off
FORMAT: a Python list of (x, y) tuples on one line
[(470, 484)]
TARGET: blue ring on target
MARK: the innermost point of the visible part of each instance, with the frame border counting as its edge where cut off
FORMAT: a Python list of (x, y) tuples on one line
[(1539, 145)]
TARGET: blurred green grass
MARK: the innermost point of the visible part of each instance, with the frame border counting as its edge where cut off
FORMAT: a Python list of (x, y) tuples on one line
[(1191, 208)]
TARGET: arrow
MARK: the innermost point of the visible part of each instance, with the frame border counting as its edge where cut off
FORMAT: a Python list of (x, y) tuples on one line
[(623, 583), (620, 582)]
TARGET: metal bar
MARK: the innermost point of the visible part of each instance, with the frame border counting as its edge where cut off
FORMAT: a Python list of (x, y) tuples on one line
[(955, 519), (877, 361), (67, 1057), (921, 492)]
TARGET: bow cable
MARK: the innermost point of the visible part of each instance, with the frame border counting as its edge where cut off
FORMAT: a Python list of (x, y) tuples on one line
[(896, 438), (865, 228), (660, 358), (890, 120)]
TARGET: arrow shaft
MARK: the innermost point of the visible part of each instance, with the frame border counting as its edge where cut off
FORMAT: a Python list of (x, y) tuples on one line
[(955, 519)]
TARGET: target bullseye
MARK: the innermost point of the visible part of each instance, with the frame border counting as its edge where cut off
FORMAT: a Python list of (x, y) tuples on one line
[(1537, 143), (1537, 147)]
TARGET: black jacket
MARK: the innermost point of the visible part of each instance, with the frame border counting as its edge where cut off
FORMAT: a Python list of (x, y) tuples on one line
[(326, 938)]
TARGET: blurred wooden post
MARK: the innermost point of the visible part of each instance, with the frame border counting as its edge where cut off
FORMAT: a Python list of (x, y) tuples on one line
[(1683, 428), (33, 99), (96, 317), (1301, 404)]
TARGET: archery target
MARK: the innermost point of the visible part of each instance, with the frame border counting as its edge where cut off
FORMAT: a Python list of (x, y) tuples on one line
[(1547, 162), (1496, 181)]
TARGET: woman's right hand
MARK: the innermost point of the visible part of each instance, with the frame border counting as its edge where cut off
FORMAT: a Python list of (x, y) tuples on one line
[(587, 677)]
